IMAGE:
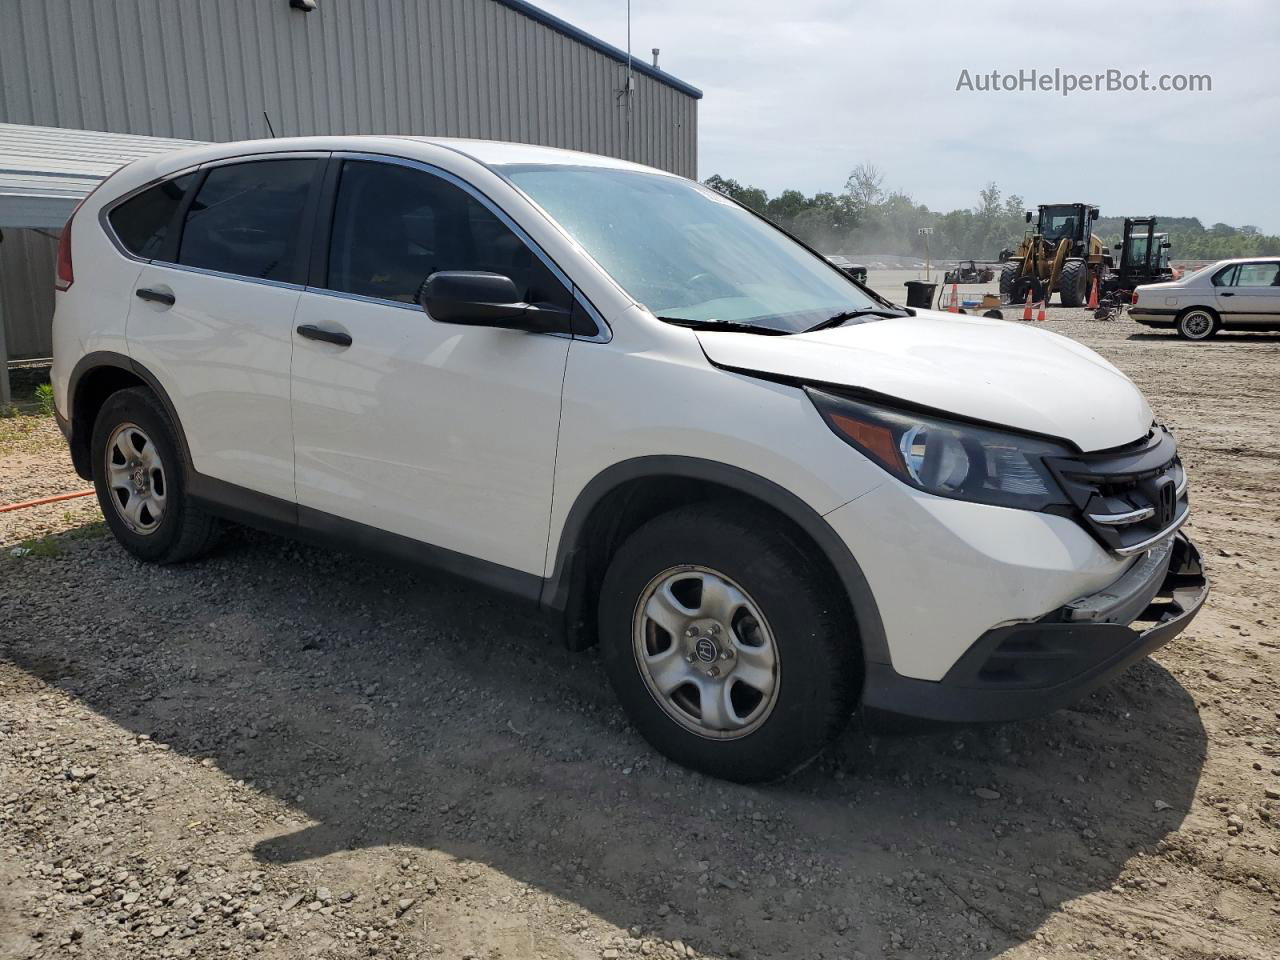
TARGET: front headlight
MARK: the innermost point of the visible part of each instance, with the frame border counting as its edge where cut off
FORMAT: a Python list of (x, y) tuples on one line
[(945, 457)]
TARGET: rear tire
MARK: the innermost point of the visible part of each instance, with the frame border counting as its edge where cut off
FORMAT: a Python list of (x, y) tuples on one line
[(1198, 324), (1073, 283), (140, 478), (760, 667)]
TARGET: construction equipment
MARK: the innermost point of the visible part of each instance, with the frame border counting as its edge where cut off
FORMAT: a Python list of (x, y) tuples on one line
[(1061, 255), (1144, 258), (968, 271)]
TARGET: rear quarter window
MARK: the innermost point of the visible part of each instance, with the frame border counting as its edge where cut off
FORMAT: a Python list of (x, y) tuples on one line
[(144, 222)]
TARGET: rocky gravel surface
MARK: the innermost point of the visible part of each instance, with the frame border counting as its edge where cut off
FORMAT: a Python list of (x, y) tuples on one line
[(283, 751)]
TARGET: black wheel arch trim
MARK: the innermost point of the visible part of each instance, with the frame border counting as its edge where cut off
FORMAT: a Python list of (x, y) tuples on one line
[(557, 589), (78, 432)]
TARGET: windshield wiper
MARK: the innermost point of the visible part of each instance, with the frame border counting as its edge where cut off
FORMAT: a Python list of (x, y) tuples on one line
[(846, 316), (729, 326)]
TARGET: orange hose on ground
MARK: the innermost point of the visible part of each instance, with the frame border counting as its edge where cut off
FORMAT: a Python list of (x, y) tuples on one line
[(43, 500)]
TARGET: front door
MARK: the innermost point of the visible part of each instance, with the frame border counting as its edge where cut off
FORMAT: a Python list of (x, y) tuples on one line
[(1253, 298), (439, 433)]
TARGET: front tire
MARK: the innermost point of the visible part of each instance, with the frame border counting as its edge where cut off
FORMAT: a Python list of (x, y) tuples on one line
[(1197, 324), (139, 477), (730, 650), (1008, 276), (1073, 284)]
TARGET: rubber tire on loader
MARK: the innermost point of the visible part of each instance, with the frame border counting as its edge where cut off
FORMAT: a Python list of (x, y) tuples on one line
[(1008, 273), (819, 658), (1073, 284), (185, 532)]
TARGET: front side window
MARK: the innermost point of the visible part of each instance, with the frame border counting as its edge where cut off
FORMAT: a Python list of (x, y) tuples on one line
[(686, 252), (142, 223), (394, 226), (1257, 275), (246, 219)]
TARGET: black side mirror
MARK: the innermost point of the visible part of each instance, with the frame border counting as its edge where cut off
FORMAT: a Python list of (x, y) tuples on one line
[(1118, 246), (476, 299), (1166, 244), (1028, 216)]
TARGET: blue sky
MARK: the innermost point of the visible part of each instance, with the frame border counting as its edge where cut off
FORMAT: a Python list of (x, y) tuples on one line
[(798, 92)]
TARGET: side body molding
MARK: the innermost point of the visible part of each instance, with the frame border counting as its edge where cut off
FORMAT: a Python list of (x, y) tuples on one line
[(560, 596)]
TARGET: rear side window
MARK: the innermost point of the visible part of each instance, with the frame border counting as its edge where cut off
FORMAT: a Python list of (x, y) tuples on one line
[(246, 220), (1225, 278), (143, 223), (394, 226)]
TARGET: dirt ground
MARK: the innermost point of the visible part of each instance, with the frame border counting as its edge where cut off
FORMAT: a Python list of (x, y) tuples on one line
[(289, 752)]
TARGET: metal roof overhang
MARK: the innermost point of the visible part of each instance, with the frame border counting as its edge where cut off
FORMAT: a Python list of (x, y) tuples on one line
[(46, 171)]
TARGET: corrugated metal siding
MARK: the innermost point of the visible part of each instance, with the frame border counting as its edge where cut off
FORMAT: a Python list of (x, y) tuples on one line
[(202, 70), (27, 260)]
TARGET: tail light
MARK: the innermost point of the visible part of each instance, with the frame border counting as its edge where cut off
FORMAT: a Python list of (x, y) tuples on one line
[(66, 274), (1134, 298)]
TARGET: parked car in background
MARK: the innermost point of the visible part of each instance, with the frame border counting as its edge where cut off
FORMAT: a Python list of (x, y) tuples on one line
[(771, 496), (1227, 295), (856, 270)]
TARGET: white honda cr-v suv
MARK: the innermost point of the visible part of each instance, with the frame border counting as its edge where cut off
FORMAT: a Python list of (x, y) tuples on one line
[(771, 496)]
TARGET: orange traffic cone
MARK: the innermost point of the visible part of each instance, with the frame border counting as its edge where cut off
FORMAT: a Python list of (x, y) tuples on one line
[(1026, 307), (1040, 317), (1093, 295), (955, 300)]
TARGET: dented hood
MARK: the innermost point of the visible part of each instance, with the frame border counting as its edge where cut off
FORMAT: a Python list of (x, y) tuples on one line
[(1004, 373)]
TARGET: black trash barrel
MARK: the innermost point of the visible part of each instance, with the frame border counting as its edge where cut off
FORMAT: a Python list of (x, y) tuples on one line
[(920, 293)]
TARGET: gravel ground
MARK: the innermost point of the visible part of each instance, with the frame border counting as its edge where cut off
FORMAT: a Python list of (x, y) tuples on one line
[(289, 752)]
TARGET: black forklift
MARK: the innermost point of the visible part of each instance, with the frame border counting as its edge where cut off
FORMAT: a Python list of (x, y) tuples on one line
[(1144, 258)]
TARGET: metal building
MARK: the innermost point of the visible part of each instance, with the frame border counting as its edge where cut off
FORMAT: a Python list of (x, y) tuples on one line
[(218, 69)]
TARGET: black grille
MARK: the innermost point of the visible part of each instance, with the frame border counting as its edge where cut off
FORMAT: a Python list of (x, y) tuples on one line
[(1127, 496)]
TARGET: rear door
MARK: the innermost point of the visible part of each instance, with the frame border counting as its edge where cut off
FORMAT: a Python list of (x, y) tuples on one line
[(1254, 296), (441, 434), (212, 315)]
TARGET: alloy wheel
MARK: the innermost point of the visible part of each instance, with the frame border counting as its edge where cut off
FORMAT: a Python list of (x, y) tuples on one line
[(1197, 325)]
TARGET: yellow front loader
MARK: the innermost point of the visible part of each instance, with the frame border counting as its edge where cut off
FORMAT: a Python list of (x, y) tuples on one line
[(1063, 255)]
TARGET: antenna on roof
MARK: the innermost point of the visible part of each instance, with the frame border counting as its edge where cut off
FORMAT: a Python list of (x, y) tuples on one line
[(270, 129)]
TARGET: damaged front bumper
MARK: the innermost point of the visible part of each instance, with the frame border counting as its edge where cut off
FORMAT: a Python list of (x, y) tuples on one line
[(1023, 670)]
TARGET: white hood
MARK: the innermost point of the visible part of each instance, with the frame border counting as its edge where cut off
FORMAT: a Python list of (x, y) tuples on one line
[(1004, 373)]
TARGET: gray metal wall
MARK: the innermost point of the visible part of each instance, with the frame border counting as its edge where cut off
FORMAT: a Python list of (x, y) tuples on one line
[(206, 70)]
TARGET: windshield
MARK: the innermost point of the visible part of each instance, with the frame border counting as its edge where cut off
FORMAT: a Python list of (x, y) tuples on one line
[(1057, 223), (688, 253), (1138, 248)]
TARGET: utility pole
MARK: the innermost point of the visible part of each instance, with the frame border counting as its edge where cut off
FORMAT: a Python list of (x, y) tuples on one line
[(926, 232)]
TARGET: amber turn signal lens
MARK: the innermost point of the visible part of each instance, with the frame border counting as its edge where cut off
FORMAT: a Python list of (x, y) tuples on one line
[(873, 438)]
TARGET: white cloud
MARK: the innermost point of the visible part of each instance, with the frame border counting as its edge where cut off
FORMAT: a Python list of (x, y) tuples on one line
[(799, 92)]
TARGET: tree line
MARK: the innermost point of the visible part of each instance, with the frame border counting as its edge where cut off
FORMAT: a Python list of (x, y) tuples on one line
[(867, 218)]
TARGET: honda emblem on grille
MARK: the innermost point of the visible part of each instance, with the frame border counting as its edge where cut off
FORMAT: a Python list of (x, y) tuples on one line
[(1166, 500)]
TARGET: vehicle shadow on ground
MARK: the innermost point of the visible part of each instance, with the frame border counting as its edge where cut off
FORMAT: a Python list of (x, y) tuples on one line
[(396, 710)]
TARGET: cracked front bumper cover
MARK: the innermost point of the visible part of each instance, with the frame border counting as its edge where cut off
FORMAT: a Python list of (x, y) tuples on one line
[(1028, 669)]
